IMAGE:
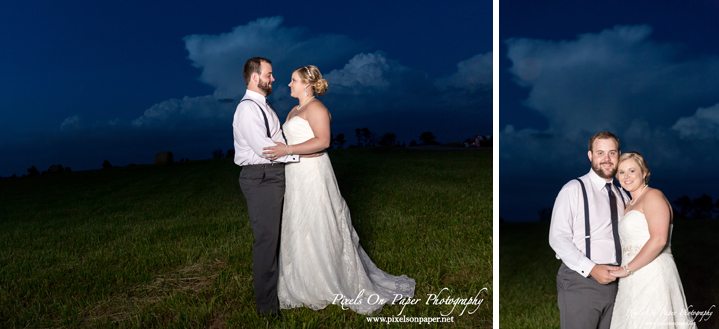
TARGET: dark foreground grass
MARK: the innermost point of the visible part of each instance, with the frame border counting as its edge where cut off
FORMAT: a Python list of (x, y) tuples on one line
[(147, 246), (528, 270)]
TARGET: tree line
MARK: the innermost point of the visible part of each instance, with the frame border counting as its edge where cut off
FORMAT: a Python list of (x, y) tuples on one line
[(365, 138), (683, 207)]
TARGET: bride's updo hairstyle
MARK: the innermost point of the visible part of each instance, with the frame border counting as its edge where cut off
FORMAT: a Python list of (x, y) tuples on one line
[(311, 74), (639, 159)]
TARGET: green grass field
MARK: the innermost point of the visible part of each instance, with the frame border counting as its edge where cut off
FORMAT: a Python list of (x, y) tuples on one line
[(528, 271), (171, 247)]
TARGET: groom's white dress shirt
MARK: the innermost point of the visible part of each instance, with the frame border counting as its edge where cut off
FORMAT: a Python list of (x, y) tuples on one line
[(566, 232), (250, 132)]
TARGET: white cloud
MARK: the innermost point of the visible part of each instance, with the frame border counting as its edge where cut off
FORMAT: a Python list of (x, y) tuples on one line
[(70, 123), (702, 125), (366, 83), (186, 112), (366, 71), (222, 57), (473, 74), (649, 94), (606, 80)]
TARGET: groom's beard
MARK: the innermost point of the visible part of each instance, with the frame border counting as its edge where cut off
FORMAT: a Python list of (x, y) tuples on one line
[(601, 173), (266, 87)]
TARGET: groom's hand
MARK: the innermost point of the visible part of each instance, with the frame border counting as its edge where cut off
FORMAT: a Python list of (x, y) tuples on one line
[(602, 275), (274, 152)]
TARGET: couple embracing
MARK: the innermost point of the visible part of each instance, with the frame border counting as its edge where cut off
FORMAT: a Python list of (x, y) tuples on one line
[(306, 252), (617, 266)]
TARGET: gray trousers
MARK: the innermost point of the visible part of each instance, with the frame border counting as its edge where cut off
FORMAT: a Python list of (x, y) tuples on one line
[(264, 190), (584, 302)]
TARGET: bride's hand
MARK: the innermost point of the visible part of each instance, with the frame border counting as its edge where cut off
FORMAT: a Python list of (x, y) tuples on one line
[(619, 273), (274, 152)]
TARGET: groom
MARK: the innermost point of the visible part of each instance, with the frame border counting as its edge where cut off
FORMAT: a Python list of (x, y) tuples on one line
[(584, 235), (262, 181)]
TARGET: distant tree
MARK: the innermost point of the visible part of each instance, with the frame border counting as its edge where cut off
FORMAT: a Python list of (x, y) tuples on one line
[(332, 142), (33, 171), (360, 138), (403, 145), (699, 208), (703, 207), (428, 138), (545, 214), (340, 141), (217, 154), (387, 139), (370, 138), (106, 164), (67, 169), (56, 169), (15, 175), (231, 153), (684, 204), (412, 143)]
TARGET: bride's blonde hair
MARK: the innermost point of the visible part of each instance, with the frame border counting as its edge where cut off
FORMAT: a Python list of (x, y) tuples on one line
[(639, 159), (311, 74)]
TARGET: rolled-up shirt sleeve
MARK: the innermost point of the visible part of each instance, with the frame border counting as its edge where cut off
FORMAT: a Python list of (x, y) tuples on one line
[(561, 230)]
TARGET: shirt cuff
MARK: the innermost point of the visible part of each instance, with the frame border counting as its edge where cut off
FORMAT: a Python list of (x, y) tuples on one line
[(289, 158), (585, 267)]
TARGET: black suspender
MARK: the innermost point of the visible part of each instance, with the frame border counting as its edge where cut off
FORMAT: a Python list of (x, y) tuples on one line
[(267, 124), (586, 220), (586, 216)]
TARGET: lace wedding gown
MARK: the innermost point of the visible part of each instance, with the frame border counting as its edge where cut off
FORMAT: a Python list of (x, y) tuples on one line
[(653, 296), (321, 259)]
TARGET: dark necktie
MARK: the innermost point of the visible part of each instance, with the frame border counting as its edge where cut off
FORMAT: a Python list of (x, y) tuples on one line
[(273, 110), (615, 219)]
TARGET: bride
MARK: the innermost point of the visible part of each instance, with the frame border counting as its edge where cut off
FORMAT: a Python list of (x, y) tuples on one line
[(321, 260), (650, 291)]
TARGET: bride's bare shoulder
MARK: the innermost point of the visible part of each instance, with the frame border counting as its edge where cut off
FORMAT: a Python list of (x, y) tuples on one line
[(653, 193), (317, 108)]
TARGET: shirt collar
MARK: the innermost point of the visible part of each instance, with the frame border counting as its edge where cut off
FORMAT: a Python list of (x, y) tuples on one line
[(598, 182), (255, 96)]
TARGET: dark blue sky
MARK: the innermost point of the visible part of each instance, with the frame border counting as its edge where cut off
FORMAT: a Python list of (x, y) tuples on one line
[(87, 81), (645, 70)]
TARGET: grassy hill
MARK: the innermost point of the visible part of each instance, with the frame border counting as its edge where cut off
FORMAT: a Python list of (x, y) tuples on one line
[(172, 246), (528, 271)]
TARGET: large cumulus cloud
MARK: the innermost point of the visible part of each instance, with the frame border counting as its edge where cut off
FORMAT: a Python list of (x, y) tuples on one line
[(368, 88), (473, 74), (608, 79), (656, 96), (221, 57)]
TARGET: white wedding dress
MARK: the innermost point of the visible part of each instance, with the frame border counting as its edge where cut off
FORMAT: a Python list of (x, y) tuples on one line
[(320, 255), (653, 296)]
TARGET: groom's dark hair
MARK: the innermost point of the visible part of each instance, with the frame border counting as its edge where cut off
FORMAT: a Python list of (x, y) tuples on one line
[(253, 65), (604, 135)]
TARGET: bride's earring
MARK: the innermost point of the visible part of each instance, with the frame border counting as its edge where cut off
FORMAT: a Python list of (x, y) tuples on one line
[(306, 94)]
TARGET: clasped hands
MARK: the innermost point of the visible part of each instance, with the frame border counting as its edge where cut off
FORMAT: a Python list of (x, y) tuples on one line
[(605, 274), (275, 152)]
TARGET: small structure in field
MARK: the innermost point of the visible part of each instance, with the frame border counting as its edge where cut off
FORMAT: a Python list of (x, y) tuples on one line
[(164, 158)]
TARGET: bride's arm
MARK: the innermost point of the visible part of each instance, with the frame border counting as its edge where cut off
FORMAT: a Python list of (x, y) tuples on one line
[(319, 119), (658, 215)]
